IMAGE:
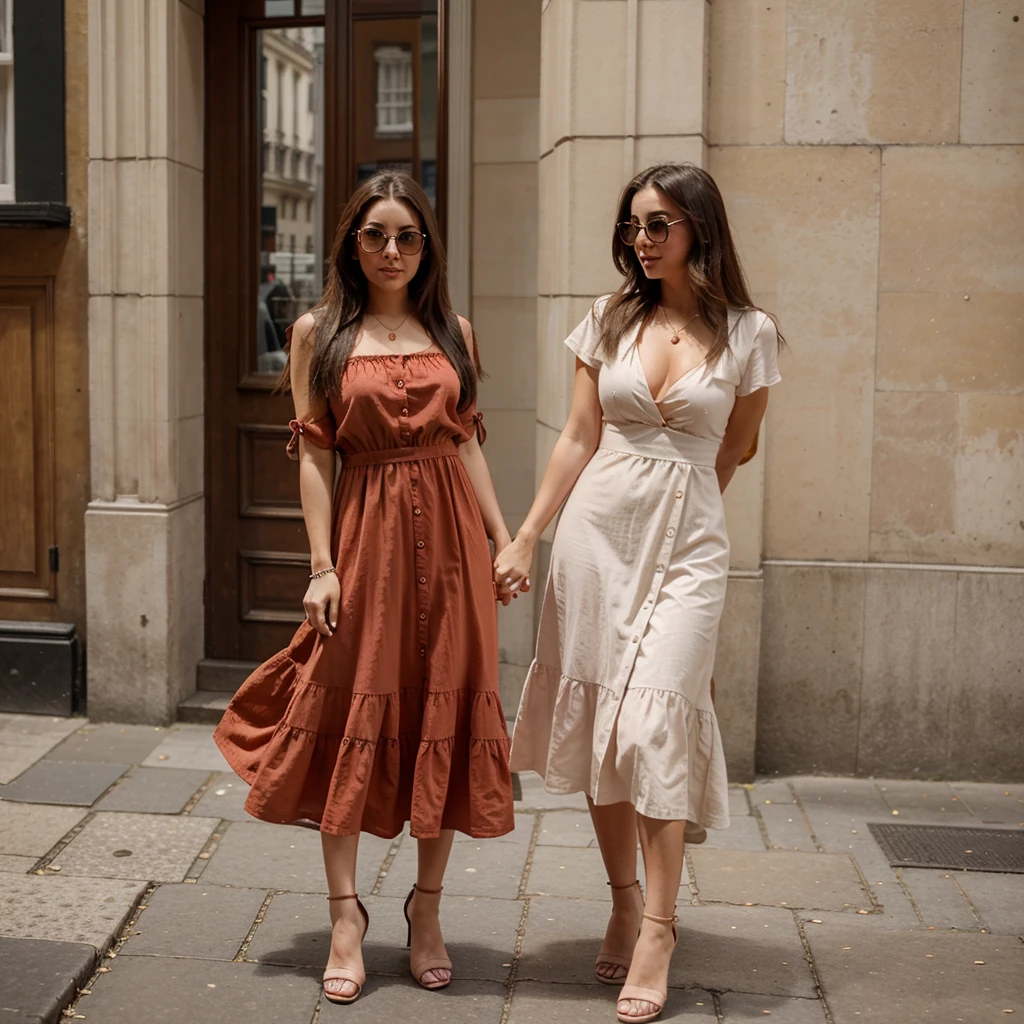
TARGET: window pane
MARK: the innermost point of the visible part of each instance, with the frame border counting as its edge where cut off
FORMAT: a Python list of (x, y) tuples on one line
[(291, 186), (279, 9), (310, 8)]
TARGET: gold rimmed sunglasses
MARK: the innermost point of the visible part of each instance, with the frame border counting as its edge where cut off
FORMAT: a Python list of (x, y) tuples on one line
[(656, 229), (408, 242)]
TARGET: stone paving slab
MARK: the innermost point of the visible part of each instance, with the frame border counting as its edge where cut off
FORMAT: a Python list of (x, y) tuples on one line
[(118, 744), (535, 1003), (924, 803), (939, 901), (786, 827), (562, 940), (63, 782), (402, 1000), (62, 909), (916, 977), (578, 873), (739, 803), (772, 791), (30, 830), (483, 867), (743, 1008), (993, 804), (566, 828), (10, 862), (999, 899), (155, 848), (209, 922), (809, 881), (883, 883), (224, 799), (162, 990), (480, 935), (743, 834), (154, 790), (40, 978), (188, 746), (26, 738), (286, 857), (840, 800)]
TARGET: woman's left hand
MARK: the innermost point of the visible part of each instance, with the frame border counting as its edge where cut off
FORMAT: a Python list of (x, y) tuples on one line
[(512, 570)]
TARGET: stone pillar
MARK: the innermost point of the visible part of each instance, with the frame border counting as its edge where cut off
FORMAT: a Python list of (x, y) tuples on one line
[(145, 523), (624, 86)]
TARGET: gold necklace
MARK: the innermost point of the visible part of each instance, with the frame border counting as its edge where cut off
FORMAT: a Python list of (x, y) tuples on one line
[(391, 333), (676, 333)]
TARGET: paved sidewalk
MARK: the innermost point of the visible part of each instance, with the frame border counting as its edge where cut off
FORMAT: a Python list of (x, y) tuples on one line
[(134, 888)]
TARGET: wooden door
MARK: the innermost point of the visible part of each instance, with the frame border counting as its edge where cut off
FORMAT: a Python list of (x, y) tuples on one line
[(288, 82)]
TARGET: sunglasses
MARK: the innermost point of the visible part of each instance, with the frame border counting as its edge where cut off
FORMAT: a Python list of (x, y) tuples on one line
[(656, 230), (408, 242)]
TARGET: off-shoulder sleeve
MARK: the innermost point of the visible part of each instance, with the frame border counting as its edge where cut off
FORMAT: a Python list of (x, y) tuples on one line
[(320, 432), (762, 368), (586, 339)]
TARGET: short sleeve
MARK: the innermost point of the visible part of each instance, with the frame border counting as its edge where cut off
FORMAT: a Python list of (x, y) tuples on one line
[(319, 432), (762, 369), (472, 420), (586, 339)]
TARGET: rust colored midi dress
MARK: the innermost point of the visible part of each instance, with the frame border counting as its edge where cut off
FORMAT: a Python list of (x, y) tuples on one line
[(396, 717)]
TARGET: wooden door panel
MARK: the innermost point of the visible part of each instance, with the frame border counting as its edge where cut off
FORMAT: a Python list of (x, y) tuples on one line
[(27, 452)]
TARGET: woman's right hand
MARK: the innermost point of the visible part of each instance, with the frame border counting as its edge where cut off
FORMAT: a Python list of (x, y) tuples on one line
[(323, 602), (512, 569)]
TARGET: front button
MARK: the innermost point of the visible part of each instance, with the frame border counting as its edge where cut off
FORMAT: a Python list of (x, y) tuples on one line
[(423, 615), (405, 412), (670, 532), (636, 639), (660, 568), (415, 511), (423, 579), (423, 652), (400, 383), (419, 544), (679, 494)]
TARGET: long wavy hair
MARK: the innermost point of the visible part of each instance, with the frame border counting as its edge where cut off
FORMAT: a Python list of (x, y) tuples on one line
[(716, 276), (342, 305)]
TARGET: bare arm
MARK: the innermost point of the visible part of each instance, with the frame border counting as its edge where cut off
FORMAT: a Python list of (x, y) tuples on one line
[(316, 485), (740, 432), (573, 450)]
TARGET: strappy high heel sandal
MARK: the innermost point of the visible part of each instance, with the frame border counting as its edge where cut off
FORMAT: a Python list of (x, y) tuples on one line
[(620, 963), (346, 973), (428, 964), (633, 993)]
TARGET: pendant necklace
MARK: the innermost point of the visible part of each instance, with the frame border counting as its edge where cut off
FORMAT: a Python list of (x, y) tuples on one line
[(677, 333), (391, 333)]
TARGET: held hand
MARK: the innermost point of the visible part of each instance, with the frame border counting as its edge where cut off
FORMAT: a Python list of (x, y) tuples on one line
[(323, 602), (512, 570)]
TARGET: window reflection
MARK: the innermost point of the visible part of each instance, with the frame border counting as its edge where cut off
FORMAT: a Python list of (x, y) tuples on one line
[(395, 101), (291, 169)]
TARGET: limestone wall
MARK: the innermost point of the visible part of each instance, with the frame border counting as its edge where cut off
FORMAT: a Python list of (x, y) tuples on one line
[(872, 162)]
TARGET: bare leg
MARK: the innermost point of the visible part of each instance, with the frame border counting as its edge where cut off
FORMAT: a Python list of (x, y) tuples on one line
[(427, 941), (615, 825), (347, 924), (662, 845)]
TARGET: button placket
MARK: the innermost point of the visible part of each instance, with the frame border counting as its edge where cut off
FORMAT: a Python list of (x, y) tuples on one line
[(421, 561)]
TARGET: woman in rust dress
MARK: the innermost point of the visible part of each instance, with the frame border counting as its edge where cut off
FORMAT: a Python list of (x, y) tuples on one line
[(384, 708)]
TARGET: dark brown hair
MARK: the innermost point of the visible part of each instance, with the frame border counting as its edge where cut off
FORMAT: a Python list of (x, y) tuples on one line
[(340, 310), (715, 274)]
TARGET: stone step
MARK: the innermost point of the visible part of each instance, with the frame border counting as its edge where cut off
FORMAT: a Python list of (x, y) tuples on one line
[(204, 706)]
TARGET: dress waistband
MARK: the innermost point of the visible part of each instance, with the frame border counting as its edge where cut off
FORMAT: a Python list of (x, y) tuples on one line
[(654, 442), (387, 455)]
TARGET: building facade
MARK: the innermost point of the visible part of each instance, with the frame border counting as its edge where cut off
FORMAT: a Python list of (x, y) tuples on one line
[(871, 160)]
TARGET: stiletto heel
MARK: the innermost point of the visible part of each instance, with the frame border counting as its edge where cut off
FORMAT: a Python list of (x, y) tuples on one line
[(422, 967), (632, 993), (611, 959), (346, 973)]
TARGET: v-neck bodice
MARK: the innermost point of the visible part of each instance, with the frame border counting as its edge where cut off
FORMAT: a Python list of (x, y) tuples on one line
[(701, 400)]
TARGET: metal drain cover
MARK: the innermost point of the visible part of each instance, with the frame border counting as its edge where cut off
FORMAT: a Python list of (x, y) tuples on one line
[(951, 847)]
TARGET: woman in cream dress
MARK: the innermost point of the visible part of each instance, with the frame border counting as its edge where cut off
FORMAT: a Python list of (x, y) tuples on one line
[(671, 385)]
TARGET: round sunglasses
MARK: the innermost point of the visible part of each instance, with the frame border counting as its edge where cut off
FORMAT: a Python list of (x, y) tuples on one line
[(372, 240)]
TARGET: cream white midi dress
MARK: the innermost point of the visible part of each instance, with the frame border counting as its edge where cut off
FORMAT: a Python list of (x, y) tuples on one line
[(617, 702)]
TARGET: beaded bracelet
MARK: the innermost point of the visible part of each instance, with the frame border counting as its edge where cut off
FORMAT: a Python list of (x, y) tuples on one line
[(321, 572)]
